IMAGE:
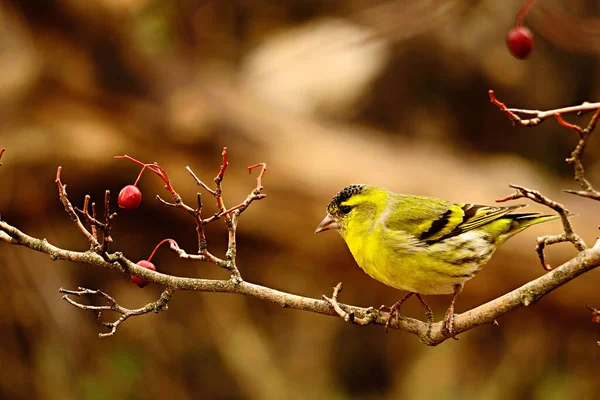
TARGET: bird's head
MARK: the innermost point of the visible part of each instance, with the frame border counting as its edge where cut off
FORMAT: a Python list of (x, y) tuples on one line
[(354, 205)]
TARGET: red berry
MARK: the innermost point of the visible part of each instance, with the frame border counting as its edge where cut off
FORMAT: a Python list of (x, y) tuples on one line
[(520, 42), (130, 197), (141, 282)]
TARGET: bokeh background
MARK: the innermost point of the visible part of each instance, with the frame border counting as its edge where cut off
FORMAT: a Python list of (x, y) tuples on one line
[(327, 92)]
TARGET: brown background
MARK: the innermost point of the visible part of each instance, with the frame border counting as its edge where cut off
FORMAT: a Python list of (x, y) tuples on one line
[(327, 92)]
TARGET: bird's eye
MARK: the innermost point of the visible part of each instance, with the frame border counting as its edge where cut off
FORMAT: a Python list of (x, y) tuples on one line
[(345, 209)]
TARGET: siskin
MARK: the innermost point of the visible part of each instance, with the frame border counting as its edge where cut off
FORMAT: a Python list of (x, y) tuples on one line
[(423, 245)]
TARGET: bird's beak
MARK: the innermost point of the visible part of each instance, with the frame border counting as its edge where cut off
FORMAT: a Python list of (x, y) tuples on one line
[(328, 223)]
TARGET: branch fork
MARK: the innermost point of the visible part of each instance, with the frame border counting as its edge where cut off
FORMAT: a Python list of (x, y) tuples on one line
[(155, 306), (101, 246)]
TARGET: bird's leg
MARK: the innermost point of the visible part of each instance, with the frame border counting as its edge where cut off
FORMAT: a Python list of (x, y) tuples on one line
[(395, 309), (428, 312), (448, 325)]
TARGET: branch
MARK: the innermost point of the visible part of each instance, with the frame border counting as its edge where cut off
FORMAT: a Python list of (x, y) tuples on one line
[(542, 242), (584, 133), (432, 335), (123, 265), (429, 333), (62, 194), (105, 226), (155, 306), (228, 215)]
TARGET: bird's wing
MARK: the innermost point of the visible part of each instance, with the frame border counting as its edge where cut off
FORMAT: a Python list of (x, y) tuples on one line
[(431, 220), (461, 217)]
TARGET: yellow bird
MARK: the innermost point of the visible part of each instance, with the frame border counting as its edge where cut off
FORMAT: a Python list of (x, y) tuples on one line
[(423, 245)]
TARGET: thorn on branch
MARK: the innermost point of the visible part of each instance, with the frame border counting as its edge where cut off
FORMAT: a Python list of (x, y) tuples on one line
[(156, 306), (1, 153)]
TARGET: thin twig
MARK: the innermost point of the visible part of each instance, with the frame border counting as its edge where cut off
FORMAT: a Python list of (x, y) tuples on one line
[(155, 306), (576, 155), (108, 218), (90, 219), (62, 194), (205, 256), (228, 215), (348, 316), (542, 242), (582, 108), (199, 182)]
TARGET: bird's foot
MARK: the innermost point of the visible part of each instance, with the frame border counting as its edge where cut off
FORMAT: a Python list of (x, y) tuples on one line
[(448, 324), (393, 312)]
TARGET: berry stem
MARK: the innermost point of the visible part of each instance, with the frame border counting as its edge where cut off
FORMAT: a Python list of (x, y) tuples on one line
[(160, 244), (157, 169), (140, 175), (523, 12)]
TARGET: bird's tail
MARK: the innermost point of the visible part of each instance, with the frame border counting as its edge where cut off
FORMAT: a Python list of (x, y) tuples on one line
[(522, 221), (525, 220)]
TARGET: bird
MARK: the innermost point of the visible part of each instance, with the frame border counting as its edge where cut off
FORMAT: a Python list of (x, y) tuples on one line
[(422, 245)]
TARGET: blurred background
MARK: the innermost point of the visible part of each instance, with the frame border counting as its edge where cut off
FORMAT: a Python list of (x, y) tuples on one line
[(327, 92)]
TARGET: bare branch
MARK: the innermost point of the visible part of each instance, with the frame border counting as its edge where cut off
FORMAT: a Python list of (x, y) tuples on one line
[(485, 314), (204, 256), (108, 218), (89, 218), (583, 133), (228, 215), (348, 316), (199, 182), (155, 306), (568, 236), (62, 193)]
